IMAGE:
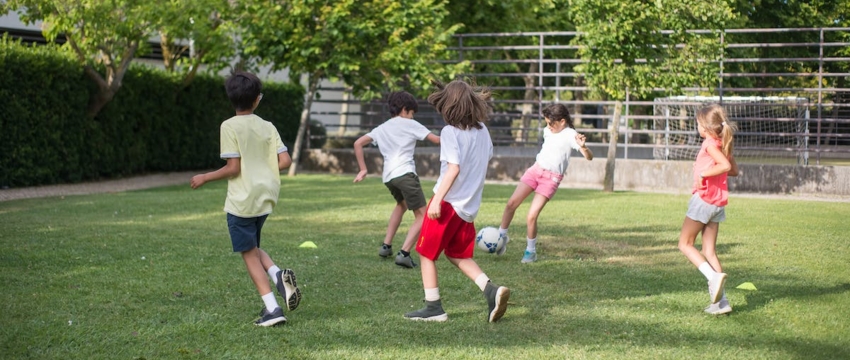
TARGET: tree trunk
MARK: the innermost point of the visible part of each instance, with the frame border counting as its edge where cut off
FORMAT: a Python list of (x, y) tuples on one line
[(313, 84), (530, 95), (608, 183)]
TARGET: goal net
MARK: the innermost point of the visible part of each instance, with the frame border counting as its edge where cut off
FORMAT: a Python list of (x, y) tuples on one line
[(770, 129)]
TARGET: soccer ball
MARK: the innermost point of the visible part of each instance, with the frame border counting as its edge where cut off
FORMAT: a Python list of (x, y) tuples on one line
[(488, 240)]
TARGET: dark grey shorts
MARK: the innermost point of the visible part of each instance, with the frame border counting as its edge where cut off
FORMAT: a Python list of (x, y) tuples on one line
[(408, 189), (245, 232), (699, 210)]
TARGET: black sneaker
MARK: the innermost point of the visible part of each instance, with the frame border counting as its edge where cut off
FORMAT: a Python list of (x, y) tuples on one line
[(433, 311), (271, 318), (287, 289), (497, 301), (385, 250), (404, 261)]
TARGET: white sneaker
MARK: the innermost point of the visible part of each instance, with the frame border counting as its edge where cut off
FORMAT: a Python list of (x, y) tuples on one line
[(719, 308), (715, 287)]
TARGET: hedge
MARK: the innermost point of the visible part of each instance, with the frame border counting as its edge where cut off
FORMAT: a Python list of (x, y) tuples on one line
[(152, 125)]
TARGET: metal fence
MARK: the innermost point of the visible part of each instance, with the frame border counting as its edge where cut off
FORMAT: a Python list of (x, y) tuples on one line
[(808, 67)]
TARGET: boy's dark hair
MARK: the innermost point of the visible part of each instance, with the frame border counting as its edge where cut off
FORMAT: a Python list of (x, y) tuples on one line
[(462, 105), (558, 112), (399, 101), (243, 88)]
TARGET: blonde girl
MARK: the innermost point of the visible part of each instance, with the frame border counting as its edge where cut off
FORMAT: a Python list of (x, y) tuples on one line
[(706, 209)]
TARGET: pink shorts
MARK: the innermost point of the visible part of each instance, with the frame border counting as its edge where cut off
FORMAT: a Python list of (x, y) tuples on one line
[(448, 233), (544, 182)]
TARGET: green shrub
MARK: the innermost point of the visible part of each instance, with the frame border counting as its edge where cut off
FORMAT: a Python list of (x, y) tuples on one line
[(152, 124)]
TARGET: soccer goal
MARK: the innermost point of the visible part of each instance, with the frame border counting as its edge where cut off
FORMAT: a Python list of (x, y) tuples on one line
[(770, 129)]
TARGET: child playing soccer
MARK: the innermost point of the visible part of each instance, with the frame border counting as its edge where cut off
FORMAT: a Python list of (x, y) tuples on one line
[(396, 138), (543, 178), (255, 156), (465, 150), (706, 209)]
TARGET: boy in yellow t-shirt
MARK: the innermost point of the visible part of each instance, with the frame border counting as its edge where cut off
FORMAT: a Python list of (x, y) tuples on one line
[(255, 156)]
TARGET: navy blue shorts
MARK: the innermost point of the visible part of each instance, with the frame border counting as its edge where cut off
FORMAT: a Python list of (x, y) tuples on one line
[(245, 232)]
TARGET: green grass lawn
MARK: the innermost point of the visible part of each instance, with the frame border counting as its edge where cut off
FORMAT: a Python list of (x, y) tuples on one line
[(150, 275)]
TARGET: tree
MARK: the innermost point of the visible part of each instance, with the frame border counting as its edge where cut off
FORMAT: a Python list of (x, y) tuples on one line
[(197, 33), (371, 45), (99, 33), (634, 47)]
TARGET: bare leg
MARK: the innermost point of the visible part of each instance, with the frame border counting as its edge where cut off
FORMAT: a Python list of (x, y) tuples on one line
[(709, 241), (254, 264), (429, 272), (467, 266), (522, 191), (415, 227), (690, 230), (537, 205), (265, 259), (395, 221)]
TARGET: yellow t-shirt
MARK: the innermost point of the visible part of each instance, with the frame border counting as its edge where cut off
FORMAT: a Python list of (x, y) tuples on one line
[(257, 143)]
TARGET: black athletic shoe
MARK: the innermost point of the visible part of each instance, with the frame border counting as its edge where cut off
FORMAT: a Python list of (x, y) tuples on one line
[(271, 318), (385, 250), (497, 301), (433, 311), (287, 289)]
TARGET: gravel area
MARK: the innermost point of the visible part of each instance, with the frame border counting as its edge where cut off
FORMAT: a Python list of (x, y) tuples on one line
[(107, 186)]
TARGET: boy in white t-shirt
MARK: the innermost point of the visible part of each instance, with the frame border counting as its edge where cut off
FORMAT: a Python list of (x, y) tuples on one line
[(396, 139), (465, 151), (255, 156), (543, 178)]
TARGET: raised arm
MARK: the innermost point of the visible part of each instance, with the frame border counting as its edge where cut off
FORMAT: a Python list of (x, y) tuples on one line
[(585, 151), (433, 138), (358, 153)]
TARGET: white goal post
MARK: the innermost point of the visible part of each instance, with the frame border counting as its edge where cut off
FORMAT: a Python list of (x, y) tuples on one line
[(770, 129)]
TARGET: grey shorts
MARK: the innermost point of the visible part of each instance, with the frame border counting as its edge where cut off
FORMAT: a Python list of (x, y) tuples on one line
[(245, 232), (699, 210), (408, 189)]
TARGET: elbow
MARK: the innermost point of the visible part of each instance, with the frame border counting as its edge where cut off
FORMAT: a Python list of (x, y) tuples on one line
[(284, 164)]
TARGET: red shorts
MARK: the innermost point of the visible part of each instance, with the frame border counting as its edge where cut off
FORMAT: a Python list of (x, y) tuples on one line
[(449, 233)]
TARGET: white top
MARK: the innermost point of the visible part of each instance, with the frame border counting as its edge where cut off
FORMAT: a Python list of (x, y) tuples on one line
[(396, 139), (257, 143), (554, 155), (471, 150)]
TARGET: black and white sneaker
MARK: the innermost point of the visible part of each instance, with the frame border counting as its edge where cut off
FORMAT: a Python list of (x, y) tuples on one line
[(287, 289), (271, 318), (497, 301)]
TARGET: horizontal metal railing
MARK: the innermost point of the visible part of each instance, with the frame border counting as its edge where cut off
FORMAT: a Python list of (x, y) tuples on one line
[(544, 64)]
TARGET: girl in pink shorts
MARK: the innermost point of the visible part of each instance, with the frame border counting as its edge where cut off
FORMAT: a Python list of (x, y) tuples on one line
[(543, 178)]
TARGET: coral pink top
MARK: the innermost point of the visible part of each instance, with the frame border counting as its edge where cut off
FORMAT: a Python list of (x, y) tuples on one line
[(716, 190)]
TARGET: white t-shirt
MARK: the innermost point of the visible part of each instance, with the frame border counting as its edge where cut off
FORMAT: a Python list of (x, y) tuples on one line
[(471, 150), (396, 139), (257, 143), (554, 155)]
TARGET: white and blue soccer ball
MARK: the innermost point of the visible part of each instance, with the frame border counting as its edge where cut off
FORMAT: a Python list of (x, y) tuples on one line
[(488, 240)]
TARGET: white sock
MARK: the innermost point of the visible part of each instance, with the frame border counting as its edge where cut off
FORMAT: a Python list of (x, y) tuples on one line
[(432, 294), (532, 245), (271, 302), (502, 231), (706, 270), (481, 281), (273, 273)]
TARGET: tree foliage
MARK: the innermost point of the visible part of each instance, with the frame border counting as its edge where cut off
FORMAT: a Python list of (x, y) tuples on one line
[(645, 45), (372, 46)]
